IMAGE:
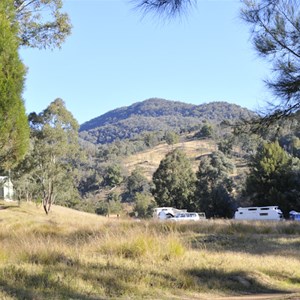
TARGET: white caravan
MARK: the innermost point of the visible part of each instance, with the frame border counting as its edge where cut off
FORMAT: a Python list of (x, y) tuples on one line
[(259, 213)]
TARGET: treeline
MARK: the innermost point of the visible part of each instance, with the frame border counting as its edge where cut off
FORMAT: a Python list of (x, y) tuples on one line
[(246, 169), (155, 115), (270, 176)]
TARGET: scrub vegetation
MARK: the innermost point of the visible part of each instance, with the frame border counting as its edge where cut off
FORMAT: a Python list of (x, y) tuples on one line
[(69, 254)]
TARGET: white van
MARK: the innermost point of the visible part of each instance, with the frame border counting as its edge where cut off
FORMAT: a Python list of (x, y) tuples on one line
[(259, 213)]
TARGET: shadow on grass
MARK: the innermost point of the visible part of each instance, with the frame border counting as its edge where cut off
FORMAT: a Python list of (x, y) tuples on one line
[(62, 280), (93, 281), (2, 207), (229, 282), (19, 284), (257, 244)]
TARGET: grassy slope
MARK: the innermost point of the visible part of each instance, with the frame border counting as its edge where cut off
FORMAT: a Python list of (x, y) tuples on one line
[(149, 160), (74, 255)]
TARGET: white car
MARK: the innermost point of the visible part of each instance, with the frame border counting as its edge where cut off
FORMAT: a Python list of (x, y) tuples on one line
[(188, 216)]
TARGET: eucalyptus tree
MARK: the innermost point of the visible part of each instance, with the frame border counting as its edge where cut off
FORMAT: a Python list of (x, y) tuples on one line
[(14, 129), (54, 136), (42, 24)]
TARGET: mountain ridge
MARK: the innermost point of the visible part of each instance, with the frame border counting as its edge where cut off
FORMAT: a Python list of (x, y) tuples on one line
[(156, 114)]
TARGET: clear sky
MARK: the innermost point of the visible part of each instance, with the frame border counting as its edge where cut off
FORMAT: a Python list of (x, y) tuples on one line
[(115, 58)]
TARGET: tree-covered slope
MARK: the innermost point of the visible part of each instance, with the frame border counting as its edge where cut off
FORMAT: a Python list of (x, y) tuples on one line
[(155, 115)]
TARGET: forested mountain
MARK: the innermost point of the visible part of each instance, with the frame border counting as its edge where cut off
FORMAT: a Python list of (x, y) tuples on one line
[(157, 115)]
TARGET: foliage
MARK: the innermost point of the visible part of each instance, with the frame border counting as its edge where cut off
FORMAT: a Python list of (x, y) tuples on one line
[(206, 131), (248, 142), (151, 139), (136, 183), (214, 186), (165, 7), (14, 129), (54, 138), (113, 175), (174, 181), (274, 178), (42, 24), (171, 137), (275, 31), (226, 144), (90, 181), (143, 205), (112, 205)]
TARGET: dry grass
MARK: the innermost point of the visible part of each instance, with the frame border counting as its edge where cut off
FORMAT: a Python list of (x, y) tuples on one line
[(74, 255), (149, 160)]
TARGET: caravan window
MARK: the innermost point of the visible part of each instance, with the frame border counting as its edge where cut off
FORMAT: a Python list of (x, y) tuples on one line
[(263, 214), (265, 208), (252, 209)]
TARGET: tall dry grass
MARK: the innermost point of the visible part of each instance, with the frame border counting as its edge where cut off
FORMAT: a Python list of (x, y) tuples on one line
[(73, 255)]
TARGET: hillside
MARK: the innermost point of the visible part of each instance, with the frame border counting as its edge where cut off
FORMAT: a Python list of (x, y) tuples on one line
[(149, 160), (157, 115)]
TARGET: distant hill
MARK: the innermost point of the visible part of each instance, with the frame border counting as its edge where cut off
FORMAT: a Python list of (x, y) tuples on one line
[(157, 114)]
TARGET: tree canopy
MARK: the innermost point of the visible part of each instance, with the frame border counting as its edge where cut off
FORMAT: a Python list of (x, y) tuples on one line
[(174, 181), (214, 186), (274, 178), (42, 24)]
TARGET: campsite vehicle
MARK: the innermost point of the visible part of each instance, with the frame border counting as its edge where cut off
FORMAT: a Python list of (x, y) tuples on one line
[(163, 213), (259, 213), (294, 215), (188, 216)]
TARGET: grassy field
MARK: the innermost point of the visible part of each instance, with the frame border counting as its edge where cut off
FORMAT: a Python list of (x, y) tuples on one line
[(75, 255)]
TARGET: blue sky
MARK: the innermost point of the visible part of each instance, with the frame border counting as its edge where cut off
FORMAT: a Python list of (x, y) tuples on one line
[(115, 58)]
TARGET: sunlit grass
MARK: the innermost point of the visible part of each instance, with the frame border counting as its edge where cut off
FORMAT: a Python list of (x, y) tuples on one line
[(74, 255)]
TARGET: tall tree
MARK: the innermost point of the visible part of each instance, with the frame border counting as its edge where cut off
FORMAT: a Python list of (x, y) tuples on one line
[(274, 178), (174, 181), (143, 205), (136, 183), (275, 27), (42, 24), (14, 129), (214, 186), (54, 134)]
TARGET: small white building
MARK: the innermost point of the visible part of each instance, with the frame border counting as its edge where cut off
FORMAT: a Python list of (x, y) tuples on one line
[(6, 188)]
